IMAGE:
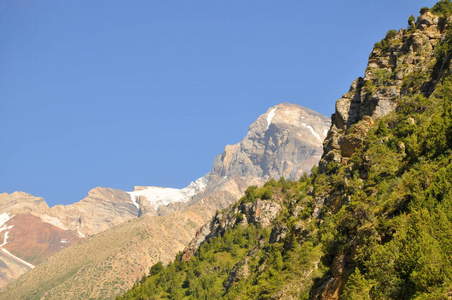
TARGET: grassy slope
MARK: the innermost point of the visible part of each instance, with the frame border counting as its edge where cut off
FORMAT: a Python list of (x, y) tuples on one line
[(105, 264)]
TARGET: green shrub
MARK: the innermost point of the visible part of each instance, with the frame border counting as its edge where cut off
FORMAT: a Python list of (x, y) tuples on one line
[(411, 21), (443, 7), (391, 34), (424, 10)]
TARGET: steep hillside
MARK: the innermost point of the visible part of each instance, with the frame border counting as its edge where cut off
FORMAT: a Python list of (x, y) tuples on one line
[(259, 248), (373, 221), (285, 141)]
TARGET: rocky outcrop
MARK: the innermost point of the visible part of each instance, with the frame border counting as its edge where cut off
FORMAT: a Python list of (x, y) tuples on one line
[(259, 212), (392, 71), (102, 208), (239, 271), (333, 287)]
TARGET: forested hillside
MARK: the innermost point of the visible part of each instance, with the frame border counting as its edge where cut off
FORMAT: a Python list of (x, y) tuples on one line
[(373, 221)]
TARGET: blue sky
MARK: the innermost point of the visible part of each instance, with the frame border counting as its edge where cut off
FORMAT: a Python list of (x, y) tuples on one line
[(122, 93)]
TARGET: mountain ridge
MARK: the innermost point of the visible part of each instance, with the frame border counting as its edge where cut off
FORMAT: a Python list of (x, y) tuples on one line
[(218, 190)]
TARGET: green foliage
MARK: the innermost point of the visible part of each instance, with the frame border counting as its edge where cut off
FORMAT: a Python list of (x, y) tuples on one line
[(369, 87), (385, 43), (264, 193), (411, 21), (391, 34), (382, 130), (398, 219), (157, 268), (272, 265), (443, 7), (382, 76), (413, 81), (424, 10), (357, 287)]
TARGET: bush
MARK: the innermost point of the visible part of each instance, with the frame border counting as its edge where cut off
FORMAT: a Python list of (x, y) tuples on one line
[(442, 7), (424, 10), (157, 268), (411, 21), (391, 34)]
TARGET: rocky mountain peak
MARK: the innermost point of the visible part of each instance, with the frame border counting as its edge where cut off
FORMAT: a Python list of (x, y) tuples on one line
[(22, 202), (282, 142)]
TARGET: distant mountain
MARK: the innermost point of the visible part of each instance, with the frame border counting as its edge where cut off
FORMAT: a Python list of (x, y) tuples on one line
[(285, 141)]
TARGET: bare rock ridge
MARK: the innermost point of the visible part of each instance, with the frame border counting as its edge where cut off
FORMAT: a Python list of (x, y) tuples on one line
[(285, 141), (282, 142)]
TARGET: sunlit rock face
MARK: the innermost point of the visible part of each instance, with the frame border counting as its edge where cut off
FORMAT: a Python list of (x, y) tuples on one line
[(285, 141)]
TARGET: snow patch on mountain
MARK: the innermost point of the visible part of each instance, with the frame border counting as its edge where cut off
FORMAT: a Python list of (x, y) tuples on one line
[(54, 221), (270, 116), (5, 238), (17, 258), (163, 196), (134, 201), (312, 131), (5, 217)]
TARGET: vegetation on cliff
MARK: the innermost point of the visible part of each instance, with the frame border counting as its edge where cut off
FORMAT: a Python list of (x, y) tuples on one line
[(252, 260), (375, 223)]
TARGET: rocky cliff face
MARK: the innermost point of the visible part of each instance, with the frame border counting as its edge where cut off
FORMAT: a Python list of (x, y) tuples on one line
[(285, 141), (393, 70), (406, 63), (259, 213), (102, 208), (282, 142)]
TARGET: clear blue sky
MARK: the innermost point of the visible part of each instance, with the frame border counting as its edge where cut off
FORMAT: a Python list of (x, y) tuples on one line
[(122, 93)]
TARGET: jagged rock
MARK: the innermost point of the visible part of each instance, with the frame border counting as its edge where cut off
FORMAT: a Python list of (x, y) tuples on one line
[(355, 136), (259, 212), (393, 68), (239, 271), (427, 19), (407, 52), (103, 208), (333, 287), (278, 233), (282, 142)]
